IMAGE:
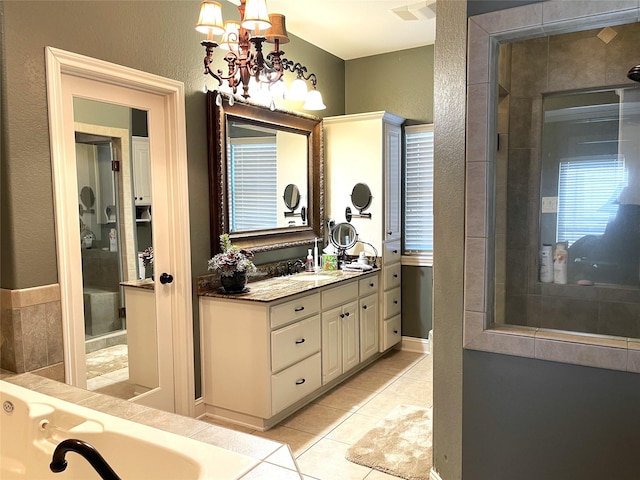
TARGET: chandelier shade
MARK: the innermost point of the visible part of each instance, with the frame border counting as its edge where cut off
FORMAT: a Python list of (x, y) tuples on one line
[(256, 16), (278, 30), (210, 20)]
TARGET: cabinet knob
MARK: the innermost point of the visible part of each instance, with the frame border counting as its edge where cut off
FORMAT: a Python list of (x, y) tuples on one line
[(298, 342), (342, 315), (301, 381), (372, 284), (346, 314), (395, 331), (395, 275), (364, 307), (395, 302), (395, 252), (389, 232), (298, 309)]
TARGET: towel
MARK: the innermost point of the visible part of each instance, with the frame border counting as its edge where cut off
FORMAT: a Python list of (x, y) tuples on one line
[(356, 267)]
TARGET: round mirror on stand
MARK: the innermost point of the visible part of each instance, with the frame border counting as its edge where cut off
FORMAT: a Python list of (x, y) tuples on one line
[(361, 198), (343, 236), (292, 200)]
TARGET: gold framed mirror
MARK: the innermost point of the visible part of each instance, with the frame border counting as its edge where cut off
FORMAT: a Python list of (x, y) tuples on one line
[(285, 148)]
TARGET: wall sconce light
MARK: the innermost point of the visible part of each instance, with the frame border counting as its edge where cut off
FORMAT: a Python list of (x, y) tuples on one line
[(245, 60)]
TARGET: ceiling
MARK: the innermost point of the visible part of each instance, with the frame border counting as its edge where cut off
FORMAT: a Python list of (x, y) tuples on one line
[(359, 28)]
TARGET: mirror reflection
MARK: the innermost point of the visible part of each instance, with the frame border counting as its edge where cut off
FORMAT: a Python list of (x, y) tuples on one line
[(591, 171), (291, 196), (113, 175), (344, 236), (262, 161)]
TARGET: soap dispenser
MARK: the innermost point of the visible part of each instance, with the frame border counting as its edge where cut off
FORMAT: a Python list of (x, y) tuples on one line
[(309, 265)]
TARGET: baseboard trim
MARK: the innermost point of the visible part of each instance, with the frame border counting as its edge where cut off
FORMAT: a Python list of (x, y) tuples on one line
[(433, 475), (414, 344)]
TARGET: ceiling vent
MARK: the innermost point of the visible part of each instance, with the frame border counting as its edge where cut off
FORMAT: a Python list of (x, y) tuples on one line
[(416, 11)]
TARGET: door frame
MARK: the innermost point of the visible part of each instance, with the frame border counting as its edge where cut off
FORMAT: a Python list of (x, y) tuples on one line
[(60, 63)]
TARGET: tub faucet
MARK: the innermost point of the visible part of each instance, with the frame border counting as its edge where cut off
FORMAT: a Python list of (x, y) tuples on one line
[(88, 451)]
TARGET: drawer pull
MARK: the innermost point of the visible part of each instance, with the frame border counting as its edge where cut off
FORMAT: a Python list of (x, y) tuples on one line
[(298, 342), (301, 381), (298, 309)]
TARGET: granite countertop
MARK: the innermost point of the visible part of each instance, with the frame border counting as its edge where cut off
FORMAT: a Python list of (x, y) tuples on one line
[(276, 288)]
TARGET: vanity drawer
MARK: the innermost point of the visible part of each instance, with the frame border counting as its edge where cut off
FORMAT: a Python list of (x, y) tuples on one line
[(368, 285), (295, 309), (294, 383), (392, 276), (340, 295), (392, 305), (294, 342), (392, 253), (391, 333)]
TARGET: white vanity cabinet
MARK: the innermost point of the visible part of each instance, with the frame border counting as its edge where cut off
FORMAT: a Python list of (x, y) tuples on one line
[(367, 148), (391, 298), (260, 358), (340, 331), (265, 359)]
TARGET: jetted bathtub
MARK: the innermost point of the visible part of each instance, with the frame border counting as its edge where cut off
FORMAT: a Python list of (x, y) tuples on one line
[(32, 424)]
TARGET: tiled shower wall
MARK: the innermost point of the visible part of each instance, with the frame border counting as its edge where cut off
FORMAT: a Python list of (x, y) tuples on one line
[(31, 331), (554, 64)]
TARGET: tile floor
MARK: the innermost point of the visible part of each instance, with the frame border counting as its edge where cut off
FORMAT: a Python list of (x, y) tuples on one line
[(108, 372), (320, 433)]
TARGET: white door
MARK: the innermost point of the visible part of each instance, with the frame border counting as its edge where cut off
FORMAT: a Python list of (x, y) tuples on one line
[(112, 84)]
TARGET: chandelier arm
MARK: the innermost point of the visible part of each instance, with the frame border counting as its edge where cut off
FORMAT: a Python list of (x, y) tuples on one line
[(208, 58)]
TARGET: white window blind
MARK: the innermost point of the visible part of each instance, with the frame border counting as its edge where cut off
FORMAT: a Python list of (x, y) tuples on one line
[(252, 183), (587, 191), (418, 192)]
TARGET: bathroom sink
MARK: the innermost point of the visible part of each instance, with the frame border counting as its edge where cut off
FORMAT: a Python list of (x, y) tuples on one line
[(311, 277)]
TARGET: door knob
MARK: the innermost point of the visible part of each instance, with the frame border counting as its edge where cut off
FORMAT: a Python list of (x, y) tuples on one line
[(166, 278)]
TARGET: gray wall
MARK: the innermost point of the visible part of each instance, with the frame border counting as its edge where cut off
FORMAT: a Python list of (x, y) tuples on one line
[(399, 82), (523, 418), (530, 420)]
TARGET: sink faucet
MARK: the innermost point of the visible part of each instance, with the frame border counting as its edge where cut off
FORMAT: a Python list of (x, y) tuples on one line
[(88, 451), (295, 266)]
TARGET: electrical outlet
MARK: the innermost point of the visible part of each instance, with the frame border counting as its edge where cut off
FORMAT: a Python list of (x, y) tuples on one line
[(549, 205)]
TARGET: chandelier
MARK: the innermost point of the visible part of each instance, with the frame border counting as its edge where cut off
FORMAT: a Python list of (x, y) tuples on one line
[(247, 65)]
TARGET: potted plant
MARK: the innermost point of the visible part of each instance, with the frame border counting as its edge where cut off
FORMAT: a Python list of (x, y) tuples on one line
[(233, 264)]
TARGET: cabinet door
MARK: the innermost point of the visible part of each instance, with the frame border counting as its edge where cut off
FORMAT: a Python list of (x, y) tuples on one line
[(331, 344), (350, 336), (368, 326), (392, 199), (141, 170)]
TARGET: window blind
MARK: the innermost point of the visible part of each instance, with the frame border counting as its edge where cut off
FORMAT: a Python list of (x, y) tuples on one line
[(587, 191), (418, 192), (252, 183)]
